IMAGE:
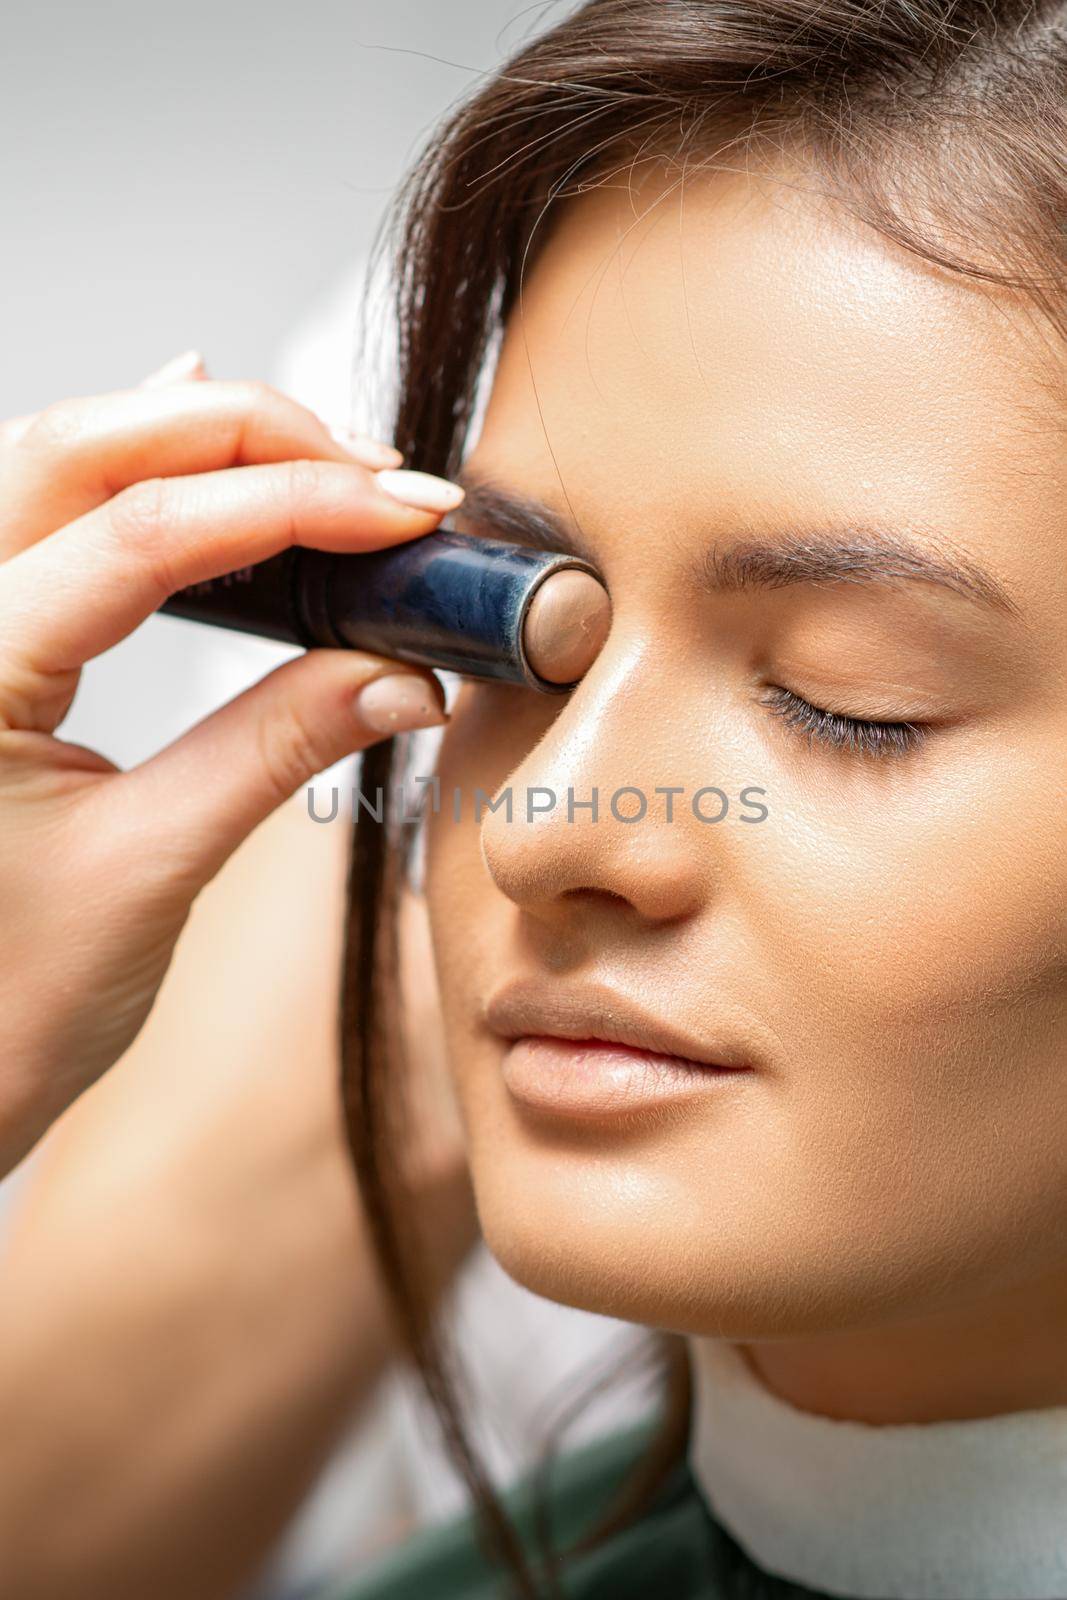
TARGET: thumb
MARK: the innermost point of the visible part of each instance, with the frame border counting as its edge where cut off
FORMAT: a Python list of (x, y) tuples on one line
[(218, 781)]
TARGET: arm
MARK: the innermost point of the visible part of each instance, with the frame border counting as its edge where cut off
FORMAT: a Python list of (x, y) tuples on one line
[(190, 1310)]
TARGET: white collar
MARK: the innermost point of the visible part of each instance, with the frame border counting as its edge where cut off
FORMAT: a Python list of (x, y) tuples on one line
[(971, 1510)]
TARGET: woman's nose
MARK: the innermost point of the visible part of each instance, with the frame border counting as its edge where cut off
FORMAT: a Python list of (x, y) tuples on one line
[(582, 825)]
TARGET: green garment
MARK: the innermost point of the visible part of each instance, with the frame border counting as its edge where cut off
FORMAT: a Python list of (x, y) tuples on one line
[(677, 1551)]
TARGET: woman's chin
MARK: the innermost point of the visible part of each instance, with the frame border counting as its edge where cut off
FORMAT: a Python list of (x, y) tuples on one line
[(607, 1238), (627, 1235)]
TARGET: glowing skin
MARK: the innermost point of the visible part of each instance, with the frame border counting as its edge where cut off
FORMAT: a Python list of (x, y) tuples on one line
[(878, 1209)]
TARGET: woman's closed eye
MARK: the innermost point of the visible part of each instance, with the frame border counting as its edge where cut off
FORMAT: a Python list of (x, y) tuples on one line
[(857, 735)]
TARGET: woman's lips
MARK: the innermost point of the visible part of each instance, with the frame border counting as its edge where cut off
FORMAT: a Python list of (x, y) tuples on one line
[(591, 1050), (595, 1078)]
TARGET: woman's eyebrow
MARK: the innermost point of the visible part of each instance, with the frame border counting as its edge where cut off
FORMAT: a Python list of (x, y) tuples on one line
[(490, 505), (851, 554), (842, 553)]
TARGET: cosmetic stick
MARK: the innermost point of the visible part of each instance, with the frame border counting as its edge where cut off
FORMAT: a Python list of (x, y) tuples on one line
[(479, 607)]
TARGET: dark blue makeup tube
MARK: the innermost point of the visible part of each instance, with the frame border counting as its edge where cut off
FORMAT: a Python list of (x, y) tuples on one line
[(478, 607)]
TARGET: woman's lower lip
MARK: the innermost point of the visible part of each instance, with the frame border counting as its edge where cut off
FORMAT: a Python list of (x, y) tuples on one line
[(592, 1078)]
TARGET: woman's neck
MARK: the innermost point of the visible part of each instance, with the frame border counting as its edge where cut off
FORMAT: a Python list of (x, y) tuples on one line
[(983, 1362)]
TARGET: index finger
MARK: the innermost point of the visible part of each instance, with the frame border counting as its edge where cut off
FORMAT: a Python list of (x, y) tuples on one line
[(79, 592), (73, 456)]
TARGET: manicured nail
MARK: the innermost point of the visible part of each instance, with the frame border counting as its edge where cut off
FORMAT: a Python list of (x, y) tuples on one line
[(421, 490), (179, 369), (368, 452), (398, 703)]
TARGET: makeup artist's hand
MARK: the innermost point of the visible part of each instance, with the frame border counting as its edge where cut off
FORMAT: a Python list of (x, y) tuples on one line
[(107, 506)]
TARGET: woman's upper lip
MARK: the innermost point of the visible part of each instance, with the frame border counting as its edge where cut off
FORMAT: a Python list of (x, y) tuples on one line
[(530, 1007)]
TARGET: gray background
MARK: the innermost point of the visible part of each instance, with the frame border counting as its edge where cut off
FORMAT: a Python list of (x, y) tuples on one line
[(195, 174)]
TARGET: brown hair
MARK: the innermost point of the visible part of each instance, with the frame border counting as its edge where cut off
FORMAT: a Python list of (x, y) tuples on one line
[(942, 124)]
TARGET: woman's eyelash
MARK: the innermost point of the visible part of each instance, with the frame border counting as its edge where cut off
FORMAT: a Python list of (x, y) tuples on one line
[(853, 734)]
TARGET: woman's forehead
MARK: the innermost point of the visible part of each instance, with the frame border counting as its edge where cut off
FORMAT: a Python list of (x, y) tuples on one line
[(744, 300), (736, 348)]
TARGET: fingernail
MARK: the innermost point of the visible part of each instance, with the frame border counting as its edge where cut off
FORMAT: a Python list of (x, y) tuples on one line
[(421, 490), (178, 369), (398, 703), (367, 451)]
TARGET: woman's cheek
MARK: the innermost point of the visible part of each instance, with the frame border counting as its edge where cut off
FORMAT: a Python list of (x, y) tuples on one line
[(464, 905), (914, 895)]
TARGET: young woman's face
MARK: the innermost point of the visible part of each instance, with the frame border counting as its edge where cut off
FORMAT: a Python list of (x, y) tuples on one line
[(811, 470)]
